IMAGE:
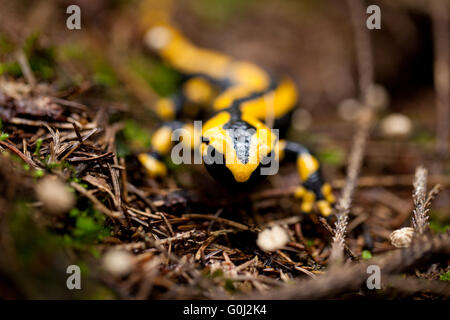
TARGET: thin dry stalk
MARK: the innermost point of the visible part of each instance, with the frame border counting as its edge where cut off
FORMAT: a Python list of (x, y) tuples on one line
[(345, 200), (25, 67), (363, 46), (420, 217), (366, 78), (421, 200), (439, 13)]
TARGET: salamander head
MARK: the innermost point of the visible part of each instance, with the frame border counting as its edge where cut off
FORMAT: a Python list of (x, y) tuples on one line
[(235, 150)]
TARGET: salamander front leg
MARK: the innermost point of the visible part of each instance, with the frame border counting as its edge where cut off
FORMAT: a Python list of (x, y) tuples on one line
[(161, 145), (313, 189)]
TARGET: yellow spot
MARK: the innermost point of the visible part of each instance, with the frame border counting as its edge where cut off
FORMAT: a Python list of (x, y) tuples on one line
[(279, 149), (241, 172), (324, 207), (326, 191), (217, 121), (299, 192), (249, 75), (154, 167), (226, 98), (198, 90), (275, 103), (161, 140), (165, 108), (307, 165), (183, 55), (308, 201)]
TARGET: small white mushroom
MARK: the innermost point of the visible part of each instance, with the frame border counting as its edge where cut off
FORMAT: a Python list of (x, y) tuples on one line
[(272, 239), (301, 119), (349, 109), (401, 238), (55, 195), (377, 97), (118, 262), (396, 125), (157, 38)]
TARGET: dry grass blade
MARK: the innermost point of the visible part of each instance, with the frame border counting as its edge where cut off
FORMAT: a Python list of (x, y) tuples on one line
[(97, 203), (420, 211), (422, 201), (433, 194), (331, 231), (230, 223), (19, 153)]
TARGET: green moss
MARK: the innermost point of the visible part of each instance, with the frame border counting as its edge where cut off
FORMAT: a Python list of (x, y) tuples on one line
[(38, 173), (102, 293), (163, 79), (102, 72), (217, 274), (40, 254), (72, 51), (445, 276), (40, 59), (333, 156), (37, 150), (6, 46), (11, 68), (218, 11), (229, 286), (132, 138), (4, 136), (104, 75), (438, 227), (423, 137), (366, 255), (89, 227), (29, 240)]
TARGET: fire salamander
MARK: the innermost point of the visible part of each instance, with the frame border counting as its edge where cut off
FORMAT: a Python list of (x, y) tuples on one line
[(241, 97)]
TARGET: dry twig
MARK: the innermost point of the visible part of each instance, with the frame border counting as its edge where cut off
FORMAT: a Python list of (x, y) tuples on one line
[(366, 116), (421, 200)]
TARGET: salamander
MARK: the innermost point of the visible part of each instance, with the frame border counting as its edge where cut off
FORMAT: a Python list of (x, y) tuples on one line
[(241, 98)]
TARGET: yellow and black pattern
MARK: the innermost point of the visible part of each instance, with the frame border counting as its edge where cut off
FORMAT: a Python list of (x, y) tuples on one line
[(241, 96)]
